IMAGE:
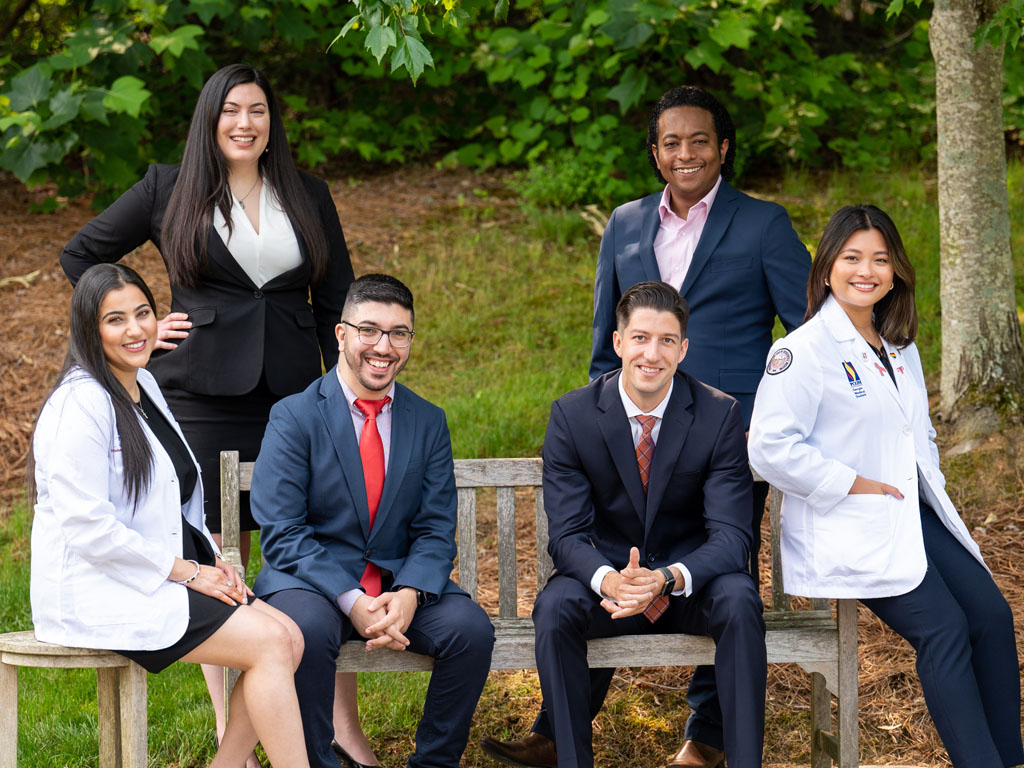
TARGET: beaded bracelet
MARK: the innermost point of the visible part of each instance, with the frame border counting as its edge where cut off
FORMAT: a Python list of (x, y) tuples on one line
[(193, 576)]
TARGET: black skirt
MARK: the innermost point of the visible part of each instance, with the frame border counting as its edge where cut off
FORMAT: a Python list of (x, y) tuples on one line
[(223, 423), (205, 614)]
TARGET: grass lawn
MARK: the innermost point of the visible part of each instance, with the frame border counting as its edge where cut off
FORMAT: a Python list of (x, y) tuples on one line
[(504, 301)]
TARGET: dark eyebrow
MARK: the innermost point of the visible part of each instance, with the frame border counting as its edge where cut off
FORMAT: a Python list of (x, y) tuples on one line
[(371, 324), (695, 133), (236, 104), (119, 312)]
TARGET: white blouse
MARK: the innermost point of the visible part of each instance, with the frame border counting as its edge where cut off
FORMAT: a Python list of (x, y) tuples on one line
[(265, 254)]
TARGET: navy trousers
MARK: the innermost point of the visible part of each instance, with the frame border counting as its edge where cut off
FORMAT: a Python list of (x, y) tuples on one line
[(962, 630), (568, 613), (705, 721), (455, 631)]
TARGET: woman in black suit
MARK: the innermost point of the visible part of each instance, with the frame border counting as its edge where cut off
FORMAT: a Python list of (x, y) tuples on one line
[(258, 270)]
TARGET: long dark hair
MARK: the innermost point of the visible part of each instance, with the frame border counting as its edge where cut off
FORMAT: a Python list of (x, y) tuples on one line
[(895, 313), (203, 183), (85, 354)]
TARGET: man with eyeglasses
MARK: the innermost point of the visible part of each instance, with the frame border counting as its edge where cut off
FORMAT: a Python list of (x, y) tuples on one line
[(354, 490)]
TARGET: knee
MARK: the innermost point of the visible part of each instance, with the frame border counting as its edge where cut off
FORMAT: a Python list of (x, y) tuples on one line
[(559, 604), (996, 617), (298, 643), (276, 643), (475, 631), (735, 602)]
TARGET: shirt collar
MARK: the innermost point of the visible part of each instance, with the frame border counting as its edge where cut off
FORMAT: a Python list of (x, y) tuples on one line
[(665, 206), (350, 396), (632, 409)]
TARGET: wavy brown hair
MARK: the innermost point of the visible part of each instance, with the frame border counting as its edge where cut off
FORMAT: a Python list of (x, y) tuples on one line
[(203, 183), (895, 313)]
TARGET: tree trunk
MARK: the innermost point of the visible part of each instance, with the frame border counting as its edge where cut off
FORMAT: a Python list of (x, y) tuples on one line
[(982, 358)]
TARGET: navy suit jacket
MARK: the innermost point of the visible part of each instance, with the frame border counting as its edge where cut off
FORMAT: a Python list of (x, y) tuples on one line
[(748, 267), (697, 509), (309, 497)]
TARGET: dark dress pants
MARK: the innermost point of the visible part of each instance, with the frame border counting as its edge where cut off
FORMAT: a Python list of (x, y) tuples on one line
[(705, 721), (962, 630), (454, 631), (568, 613)]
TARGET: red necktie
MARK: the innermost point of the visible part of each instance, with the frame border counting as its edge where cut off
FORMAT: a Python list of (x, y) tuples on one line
[(371, 452), (644, 457)]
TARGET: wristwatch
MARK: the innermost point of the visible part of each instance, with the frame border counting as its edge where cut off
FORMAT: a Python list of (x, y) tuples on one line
[(421, 596), (670, 581)]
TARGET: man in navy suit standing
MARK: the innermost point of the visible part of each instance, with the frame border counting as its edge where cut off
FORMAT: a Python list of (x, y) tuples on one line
[(647, 491), (354, 490), (738, 263)]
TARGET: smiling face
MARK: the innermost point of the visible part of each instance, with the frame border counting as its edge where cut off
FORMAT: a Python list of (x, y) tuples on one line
[(688, 155), (862, 273), (127, 332), (651, 347), (369, 369), (243, 128)]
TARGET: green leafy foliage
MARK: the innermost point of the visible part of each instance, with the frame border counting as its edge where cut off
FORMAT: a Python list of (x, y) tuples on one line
[(92, 92)]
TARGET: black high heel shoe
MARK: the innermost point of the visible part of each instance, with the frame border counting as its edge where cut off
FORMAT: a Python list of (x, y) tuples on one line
[(346, 759)]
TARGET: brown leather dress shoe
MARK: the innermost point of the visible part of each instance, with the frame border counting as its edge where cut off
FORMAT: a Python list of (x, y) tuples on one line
[(694, 754), (532, 751)]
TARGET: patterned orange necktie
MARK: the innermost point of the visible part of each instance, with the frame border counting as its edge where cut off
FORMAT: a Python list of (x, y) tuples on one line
[(644, 457), (371, 452)]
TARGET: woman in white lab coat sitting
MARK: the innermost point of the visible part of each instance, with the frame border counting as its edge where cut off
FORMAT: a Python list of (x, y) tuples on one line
[(841, 426), (121, 556)]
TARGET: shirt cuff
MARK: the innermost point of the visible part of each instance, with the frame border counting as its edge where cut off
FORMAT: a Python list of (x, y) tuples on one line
[(347, 599), (687, 589), (598, 577)]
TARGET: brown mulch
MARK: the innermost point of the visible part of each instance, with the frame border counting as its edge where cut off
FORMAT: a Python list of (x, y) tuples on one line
[(389, 213)]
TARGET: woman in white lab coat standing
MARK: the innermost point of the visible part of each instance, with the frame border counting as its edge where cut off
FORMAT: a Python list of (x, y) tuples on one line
[(841, 426), (121, 556)]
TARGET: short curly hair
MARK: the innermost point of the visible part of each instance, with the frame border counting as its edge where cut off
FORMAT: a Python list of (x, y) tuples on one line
[(692, 96)]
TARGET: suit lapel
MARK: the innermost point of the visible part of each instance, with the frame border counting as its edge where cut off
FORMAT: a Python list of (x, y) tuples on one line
[(674, 429), (650, 221), (619, 439), (719, 217), (403, 427), (218, 252), (338, 420)]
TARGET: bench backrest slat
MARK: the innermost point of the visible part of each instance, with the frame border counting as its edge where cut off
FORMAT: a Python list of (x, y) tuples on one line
[(507, 608), (467, 541)]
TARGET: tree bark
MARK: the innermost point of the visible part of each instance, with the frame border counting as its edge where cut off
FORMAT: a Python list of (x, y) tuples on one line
[(982, 358)]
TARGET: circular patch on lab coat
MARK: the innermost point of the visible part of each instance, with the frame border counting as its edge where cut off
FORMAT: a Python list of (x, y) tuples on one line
[(780, 361)]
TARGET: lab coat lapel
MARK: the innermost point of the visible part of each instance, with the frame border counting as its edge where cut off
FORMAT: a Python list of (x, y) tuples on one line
[(619, 440), (337, 418), (674, 428)]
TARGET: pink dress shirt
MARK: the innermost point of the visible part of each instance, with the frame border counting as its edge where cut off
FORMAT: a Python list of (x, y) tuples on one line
[(677, 237)]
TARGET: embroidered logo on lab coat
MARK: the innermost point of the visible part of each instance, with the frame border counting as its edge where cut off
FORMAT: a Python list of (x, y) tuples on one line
[(780, 361), (854, 378)]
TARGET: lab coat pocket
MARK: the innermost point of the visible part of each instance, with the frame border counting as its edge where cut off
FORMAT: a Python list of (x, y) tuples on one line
[(96, 601), (853, 538)]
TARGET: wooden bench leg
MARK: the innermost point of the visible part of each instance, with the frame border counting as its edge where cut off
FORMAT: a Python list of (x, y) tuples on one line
[(849, 743), (230, 678), (821, 720), (108, 706), (132, 690), (8, 716)]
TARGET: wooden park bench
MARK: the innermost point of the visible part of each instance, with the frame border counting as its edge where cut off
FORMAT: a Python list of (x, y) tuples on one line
[(824, 647)]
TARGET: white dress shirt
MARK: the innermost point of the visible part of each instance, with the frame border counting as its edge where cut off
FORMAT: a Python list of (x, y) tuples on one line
[(637, 430), (347, 599), (268, 253)]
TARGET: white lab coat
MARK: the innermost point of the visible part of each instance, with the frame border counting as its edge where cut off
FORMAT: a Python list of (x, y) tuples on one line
[(100, 566), (815, 427)]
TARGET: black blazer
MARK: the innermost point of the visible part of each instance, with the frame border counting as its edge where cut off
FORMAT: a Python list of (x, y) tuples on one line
[(239, 330), (697, 509)]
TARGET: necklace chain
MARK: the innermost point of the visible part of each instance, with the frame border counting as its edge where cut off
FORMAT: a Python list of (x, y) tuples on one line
[(241, 200)]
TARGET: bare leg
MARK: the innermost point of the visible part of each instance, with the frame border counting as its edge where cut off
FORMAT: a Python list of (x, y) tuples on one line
[(264, 704), (347, 730), (214, 675)]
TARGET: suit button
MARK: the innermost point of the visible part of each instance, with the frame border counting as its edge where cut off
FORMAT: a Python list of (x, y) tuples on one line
[(906, 429), (368, 554), (650, 558), (257, 294)]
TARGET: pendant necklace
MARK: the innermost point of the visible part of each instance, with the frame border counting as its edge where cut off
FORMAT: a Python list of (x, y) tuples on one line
[(241, 200)]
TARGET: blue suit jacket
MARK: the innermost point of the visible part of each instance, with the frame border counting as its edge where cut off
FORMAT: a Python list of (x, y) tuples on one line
[(309, 496), (697, 508), (748, 267)]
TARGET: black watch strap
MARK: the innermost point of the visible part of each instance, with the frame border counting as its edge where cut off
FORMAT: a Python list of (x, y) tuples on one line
[(670, 581), (421, 596)]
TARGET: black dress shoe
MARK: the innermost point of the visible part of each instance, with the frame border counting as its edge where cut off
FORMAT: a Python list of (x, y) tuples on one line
[(532, 751), (346, 760)]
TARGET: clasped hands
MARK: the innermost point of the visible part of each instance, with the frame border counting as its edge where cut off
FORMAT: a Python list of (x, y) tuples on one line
[(384, 619), (629, 591)]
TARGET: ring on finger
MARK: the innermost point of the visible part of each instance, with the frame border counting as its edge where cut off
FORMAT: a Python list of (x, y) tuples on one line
[(230, 583)]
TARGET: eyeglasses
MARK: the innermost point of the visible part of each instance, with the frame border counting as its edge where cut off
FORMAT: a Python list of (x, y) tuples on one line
[(368, 334)]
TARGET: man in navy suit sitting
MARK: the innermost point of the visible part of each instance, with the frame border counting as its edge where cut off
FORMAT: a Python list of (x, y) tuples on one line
[(354, 490)]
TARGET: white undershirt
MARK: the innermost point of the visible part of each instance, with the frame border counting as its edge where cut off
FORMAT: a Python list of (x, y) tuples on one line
[(264, 255)]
